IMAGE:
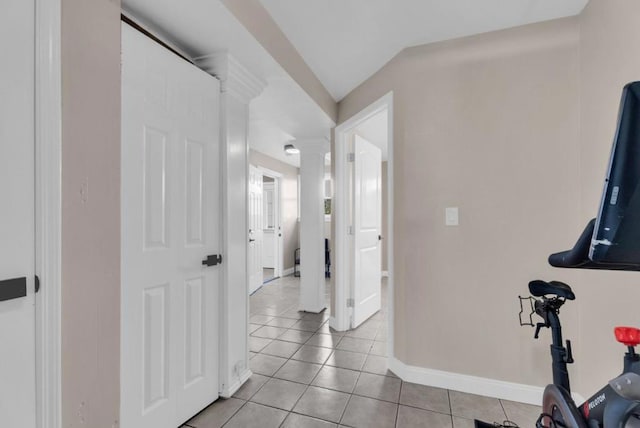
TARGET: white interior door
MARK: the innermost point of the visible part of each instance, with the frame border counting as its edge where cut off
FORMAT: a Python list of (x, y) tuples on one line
[(170, 224), (269, 236), (256, 224), (17, 216), (367, 228)]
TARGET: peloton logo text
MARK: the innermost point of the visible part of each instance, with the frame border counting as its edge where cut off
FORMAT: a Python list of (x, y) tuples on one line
[(598, 400)]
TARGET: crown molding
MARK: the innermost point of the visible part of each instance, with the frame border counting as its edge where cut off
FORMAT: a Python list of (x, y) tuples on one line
[(234, 77)]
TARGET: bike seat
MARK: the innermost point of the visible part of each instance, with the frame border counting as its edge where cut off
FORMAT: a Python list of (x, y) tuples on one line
[(540, 288)]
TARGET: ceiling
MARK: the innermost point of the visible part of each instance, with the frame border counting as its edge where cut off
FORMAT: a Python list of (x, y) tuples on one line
[(283, 111), (346, 41), (343, 41)]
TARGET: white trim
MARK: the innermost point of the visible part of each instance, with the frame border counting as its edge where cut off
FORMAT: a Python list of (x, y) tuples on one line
[(341, 319), (234, 77), (471, 384), (287, 272), (48, 133), (237, 86), (229, 390)]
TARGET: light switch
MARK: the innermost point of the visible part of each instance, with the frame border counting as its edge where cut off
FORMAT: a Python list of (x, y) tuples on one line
[(451, 216)]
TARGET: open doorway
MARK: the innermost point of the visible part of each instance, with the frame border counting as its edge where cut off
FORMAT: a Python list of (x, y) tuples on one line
[(272, 257), (265, 227), (363, 213)]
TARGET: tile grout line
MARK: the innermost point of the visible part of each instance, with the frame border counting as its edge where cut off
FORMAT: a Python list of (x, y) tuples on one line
[(323, 365)]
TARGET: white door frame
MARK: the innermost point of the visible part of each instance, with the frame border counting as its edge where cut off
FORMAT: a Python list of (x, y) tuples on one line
[(341, 320), (279, 243), (48, 127)]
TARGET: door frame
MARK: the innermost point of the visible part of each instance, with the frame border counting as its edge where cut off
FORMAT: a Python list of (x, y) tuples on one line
[(341, 320), (279, 241), (48, 194)]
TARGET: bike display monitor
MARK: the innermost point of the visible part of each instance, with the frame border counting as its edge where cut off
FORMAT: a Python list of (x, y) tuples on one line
[(616, 234), (612, 240)]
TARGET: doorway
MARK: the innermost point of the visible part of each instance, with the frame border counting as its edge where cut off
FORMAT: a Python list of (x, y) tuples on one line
[(272, 256), (265, 227), (347, 297)]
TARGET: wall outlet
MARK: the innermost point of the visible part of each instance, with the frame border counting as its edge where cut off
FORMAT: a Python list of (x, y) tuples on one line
[(451, 216)]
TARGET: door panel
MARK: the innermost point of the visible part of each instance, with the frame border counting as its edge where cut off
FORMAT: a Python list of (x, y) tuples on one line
[(367, 229), (256, 224), (170, 223), (17, 215)]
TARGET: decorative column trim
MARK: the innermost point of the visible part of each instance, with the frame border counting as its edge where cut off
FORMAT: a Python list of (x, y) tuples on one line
[(238, 86), (312, 166), (234, 78)]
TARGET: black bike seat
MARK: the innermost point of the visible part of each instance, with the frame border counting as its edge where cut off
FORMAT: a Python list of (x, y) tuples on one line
[(541, 288)]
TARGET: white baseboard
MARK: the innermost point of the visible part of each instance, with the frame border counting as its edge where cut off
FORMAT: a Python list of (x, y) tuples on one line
[(229, 390), (385, 274), (287, 272), (471, 384)]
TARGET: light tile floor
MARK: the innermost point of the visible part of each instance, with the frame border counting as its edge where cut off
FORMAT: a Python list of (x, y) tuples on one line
[(307, 375)]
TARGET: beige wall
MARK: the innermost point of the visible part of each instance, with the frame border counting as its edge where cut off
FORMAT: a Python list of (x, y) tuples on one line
[(488, 124), (515, 128), (289, 201), (90, 213)]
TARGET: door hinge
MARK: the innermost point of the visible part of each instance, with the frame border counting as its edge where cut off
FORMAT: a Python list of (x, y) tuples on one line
[(351, 157), (37, 286), (350, 230), (351, 303)]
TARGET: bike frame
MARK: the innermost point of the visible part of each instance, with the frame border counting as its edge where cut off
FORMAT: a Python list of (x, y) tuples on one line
[(605, 409)]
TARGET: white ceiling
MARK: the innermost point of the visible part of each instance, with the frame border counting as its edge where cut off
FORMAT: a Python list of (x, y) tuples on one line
[(343, 41), (346, 41), (283, 111)]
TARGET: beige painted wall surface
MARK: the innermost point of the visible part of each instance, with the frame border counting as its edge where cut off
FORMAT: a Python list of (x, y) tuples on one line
[(488, 124), (90, 213), (610, 42), (289, 202)]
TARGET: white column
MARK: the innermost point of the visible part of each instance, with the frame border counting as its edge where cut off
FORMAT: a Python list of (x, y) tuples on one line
[(238, 87), (312, 282)]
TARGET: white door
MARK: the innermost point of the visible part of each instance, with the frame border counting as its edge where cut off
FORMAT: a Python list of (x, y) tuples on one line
[(367, 221), (256, 224), (17, 221), (269, 241), (170, 224)]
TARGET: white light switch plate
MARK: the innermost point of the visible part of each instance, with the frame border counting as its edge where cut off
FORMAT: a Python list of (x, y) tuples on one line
[(451, 216)]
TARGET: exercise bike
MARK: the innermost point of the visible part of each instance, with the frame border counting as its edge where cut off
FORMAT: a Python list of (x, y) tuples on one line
[(617, 404), (610, 242)]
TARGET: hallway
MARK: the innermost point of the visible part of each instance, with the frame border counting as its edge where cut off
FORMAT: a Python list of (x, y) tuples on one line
[(307, 375)]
